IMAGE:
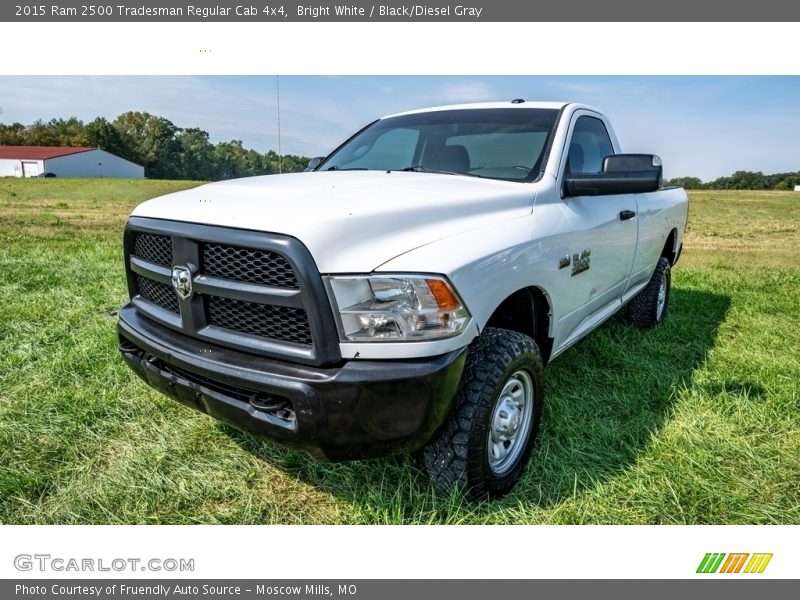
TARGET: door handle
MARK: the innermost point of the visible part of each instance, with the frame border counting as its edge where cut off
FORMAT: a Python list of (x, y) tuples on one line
[(626, 214)]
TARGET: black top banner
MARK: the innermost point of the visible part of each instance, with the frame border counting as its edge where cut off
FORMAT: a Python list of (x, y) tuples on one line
[(431, 11)]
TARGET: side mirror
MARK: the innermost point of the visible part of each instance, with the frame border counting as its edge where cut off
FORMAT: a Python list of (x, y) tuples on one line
[(621, 174), (313, 163)]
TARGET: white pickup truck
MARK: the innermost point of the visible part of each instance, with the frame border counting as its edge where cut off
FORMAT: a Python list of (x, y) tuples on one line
[(405, 293)]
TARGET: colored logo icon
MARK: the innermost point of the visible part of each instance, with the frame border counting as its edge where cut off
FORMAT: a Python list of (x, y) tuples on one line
[(719, 562)]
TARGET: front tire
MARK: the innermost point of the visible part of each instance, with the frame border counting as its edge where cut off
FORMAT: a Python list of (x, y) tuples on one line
[(484, 446), (649, 307)]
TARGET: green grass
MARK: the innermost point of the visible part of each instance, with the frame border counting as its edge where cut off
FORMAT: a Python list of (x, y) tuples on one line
[(697, 421)]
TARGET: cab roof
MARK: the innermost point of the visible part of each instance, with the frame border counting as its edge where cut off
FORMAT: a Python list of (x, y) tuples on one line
[(484, 105)]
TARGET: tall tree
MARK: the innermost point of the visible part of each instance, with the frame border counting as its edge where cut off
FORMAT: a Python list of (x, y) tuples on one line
[(197, 154), (39, 134), (100, 133), (155, 142), (68, 132), (13, 135)]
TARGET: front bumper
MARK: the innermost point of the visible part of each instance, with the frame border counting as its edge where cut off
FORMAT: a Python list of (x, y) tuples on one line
[(360, 409)]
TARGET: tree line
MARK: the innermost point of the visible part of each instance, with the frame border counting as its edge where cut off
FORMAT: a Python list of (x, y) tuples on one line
[(741, 180), (165, 150)]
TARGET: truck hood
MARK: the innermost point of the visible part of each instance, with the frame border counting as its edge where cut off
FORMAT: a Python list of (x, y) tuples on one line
[(350, 221)]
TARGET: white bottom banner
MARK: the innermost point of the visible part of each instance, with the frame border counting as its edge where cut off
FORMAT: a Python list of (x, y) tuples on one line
[(376, 552)]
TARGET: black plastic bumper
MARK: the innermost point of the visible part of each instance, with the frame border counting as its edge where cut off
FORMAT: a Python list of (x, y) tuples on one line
[(361, 409)]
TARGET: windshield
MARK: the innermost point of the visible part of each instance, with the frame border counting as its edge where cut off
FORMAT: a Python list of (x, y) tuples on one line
[(503, 143)]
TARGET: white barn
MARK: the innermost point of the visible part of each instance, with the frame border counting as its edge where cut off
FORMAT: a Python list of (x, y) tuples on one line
[(32, 161)]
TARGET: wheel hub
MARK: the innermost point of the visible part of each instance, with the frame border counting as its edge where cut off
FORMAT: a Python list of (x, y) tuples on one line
[(507, 419)]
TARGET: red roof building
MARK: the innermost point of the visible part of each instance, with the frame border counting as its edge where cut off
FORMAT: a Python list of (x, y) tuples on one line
[(62, 161)]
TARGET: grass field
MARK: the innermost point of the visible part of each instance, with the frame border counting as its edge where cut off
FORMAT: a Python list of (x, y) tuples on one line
[(697, 421)]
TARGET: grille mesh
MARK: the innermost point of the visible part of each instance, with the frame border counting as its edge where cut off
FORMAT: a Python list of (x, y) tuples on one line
[(251, 266), (282, 323), (158, 293), (154, 248)]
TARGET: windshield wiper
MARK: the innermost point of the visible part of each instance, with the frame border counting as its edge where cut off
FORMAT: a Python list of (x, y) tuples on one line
[(421, 169), (335, 168)]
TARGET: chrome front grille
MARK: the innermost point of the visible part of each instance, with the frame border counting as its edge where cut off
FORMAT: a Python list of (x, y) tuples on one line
[(250, 291)]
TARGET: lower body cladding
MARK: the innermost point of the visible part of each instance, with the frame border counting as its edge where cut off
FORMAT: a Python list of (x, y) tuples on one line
[(360, 409)]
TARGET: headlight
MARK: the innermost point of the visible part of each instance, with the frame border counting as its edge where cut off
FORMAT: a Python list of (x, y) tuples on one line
[(388, 308)]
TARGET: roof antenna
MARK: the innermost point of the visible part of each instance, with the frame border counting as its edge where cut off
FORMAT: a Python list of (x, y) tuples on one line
[(280, 154)]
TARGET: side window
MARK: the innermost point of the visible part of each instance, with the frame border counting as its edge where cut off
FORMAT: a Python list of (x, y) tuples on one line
[(590, 144)]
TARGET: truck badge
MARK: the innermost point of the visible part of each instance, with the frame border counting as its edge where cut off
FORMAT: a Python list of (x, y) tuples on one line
[(182, 281), (580, 261)]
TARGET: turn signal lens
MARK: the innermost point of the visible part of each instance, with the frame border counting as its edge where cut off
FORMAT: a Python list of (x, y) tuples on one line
[(444, 296)]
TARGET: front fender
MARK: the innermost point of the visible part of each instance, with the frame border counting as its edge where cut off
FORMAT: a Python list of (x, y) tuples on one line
[(489, 264)]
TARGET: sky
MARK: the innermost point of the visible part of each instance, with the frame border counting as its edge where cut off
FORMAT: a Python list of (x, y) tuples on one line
[(701, 126)]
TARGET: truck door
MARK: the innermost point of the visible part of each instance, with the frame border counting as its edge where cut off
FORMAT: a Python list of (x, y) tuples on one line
[(603, 231)]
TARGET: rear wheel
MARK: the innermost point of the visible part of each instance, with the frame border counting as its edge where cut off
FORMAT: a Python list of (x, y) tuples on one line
[(649, 307), (486, 442)]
